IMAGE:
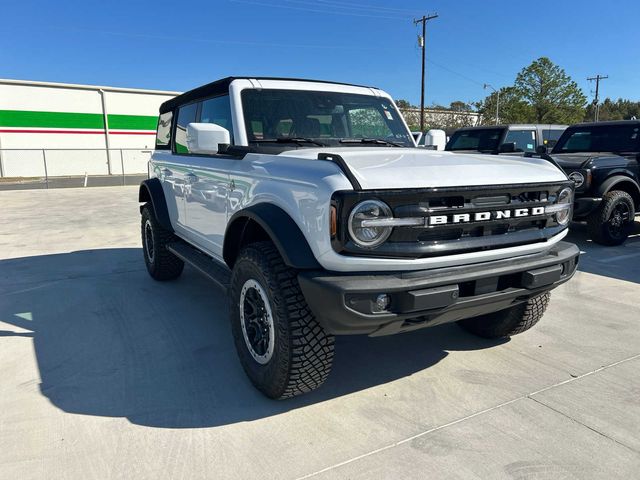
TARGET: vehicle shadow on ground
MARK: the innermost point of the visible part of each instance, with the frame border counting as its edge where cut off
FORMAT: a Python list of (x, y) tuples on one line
[(110, 341), (622, 262)]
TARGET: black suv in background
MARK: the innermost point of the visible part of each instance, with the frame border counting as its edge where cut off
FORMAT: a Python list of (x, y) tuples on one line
[(602, 159), (506, 139)]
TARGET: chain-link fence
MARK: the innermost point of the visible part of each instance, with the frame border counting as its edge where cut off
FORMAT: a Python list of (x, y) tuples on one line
[(72, 166)]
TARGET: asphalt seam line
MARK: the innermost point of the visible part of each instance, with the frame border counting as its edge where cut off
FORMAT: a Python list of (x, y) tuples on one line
[(468, 417), (583, 424)]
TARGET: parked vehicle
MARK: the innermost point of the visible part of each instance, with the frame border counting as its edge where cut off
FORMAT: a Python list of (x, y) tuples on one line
[(334, 223), (504, 139), (602, 159)]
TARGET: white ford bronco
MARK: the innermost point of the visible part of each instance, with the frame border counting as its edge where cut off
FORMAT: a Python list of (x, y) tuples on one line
[(310, 203)]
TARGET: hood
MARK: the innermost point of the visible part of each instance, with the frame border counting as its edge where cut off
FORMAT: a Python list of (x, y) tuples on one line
[(388, 168), (582, 159)]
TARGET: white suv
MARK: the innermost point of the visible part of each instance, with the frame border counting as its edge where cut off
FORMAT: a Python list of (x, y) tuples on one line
[(309, 201)]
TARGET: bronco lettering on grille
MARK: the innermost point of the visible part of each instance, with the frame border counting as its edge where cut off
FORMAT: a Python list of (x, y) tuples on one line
[(484, 216)]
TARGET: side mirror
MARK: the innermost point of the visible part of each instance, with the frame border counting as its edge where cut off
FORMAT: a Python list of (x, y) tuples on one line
[(507, 147), (541, 149), (206, 138)]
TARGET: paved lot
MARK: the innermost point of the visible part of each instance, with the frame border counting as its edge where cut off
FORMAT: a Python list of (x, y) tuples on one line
[(105, 373)]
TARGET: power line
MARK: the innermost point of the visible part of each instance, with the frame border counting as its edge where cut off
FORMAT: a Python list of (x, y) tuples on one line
[(423, 20), (320, 8), (597, 79), (342, 4)]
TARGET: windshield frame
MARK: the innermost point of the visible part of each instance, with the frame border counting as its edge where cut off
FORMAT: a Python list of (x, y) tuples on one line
[(394, 122), (569, 132)]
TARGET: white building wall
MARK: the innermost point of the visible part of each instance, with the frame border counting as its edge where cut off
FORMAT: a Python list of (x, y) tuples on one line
[(23, 128)]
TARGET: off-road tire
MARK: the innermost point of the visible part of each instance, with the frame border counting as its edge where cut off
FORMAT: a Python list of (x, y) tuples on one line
[(598, 222), (511, 321), (303, 351), (161, 263)]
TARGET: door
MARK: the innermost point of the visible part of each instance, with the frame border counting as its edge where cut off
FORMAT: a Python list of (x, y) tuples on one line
[(208, 183)]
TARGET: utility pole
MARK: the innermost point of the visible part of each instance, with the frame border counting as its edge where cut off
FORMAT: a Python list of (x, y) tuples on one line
[(497, 92), (597, 79), (424, 21)]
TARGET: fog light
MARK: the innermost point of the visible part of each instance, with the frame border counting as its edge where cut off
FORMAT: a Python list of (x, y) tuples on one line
[(382, 303)]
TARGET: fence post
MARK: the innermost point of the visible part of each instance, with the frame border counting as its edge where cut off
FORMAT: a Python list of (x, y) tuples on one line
[(122, 166), (46, 173)]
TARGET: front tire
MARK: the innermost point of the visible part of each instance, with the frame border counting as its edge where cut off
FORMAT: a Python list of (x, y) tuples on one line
[(509, 322), (283, 349), (161, 263), (611, 223)]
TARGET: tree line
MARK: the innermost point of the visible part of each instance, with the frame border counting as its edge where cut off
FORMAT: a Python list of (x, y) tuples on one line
[(541, 93)]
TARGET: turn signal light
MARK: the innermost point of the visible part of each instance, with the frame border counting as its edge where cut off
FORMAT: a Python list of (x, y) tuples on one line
[(333, 221)]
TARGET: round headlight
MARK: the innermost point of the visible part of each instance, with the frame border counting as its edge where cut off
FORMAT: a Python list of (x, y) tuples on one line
[(368, 236), (577, 178), (564, 203)]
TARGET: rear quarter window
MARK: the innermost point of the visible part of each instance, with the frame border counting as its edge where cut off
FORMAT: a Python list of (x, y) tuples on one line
[(163, 133)]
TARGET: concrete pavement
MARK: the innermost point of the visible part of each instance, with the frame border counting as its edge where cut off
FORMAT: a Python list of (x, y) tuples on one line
[(105, 373)]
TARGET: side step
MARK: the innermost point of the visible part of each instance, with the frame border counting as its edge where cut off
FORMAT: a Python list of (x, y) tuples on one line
[(206, 265)]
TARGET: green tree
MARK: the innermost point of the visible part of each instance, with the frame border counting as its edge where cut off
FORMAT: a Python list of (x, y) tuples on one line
[(614, 110), (459, 106), (513, 109), (403, 104), (553, 96)]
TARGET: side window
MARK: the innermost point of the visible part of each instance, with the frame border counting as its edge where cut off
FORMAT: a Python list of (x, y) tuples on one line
[(578, 141), (525, 140), (218, 110), (551, 137), (186, 115), (163, 134)]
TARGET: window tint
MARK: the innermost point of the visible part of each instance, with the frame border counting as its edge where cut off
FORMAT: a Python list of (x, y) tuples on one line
[(600, 138), (186, 115), (163, 135), (218, 110), (481, 139), (551, 137), (525, 140)]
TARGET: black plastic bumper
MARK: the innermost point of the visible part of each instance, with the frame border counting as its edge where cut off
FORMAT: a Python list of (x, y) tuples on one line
[(583, 206), (346, 303)]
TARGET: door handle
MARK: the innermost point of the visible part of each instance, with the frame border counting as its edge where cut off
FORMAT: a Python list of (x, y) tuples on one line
[(191, 177)]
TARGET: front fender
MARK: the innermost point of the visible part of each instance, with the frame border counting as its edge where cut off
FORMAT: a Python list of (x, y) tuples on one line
[(281, 229), (611, 182)]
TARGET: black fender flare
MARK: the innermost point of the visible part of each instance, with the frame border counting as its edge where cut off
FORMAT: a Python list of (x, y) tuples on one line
[(151, 191), (281, 229), (611, 182)]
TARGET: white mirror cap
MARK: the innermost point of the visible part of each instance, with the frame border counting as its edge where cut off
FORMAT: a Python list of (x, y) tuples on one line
[(205, 138)]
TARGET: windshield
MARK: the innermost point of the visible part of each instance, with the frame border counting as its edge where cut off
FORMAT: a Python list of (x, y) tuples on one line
[(600, 138), (312, 119), (481, 139)]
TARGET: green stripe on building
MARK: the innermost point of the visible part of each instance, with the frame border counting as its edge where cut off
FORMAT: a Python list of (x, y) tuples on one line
[(32, 119)]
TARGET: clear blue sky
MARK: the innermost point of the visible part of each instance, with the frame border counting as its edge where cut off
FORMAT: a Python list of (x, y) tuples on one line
[(178, 45)]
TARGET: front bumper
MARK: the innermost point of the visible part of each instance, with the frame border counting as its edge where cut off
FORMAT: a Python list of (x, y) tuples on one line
[(345, 303)]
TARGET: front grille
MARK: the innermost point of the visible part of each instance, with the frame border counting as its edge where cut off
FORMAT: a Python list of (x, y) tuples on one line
[(458, 220)]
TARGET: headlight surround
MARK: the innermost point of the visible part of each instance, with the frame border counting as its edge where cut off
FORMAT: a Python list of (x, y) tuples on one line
[(369, 237), (563, 206)]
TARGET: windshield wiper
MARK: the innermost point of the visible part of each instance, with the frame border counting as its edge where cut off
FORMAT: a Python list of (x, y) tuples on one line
[(375, 141), (296, 140)]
